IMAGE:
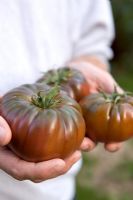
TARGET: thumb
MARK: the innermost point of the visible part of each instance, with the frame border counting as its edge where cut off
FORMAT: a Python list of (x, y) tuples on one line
[(5, 132)]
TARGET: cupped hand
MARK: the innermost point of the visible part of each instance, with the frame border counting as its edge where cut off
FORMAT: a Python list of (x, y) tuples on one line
[(97, 79), (23, 170), (36, 172)]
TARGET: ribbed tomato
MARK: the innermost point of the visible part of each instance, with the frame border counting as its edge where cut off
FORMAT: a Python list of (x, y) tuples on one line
[(45, 124), (108, 117), (71, 80)]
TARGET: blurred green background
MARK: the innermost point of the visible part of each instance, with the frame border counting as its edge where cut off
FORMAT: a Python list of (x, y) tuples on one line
[(106, 176)]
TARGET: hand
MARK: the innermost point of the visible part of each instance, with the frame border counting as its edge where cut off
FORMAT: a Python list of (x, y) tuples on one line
[(23, 170), (97, 79)]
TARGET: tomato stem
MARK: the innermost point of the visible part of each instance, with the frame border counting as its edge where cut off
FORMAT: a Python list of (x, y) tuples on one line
[(50, 99), (115, 97), (58, 76)]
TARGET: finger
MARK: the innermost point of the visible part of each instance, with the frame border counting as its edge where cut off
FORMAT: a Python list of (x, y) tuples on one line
[(69, 162), (119, 89), (87, 145), (111, 86), (113, 147), (45, 170), (22, 170), (92, 86), (55, 167), (5, 132)]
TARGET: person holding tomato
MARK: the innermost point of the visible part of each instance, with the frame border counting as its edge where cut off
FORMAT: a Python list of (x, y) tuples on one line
[(34, 37)]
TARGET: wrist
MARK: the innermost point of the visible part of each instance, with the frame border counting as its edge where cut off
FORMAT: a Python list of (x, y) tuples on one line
[(90, 60)]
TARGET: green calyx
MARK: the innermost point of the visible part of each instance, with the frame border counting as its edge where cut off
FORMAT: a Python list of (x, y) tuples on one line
[(115, 97), (58, 76), (50, 99)]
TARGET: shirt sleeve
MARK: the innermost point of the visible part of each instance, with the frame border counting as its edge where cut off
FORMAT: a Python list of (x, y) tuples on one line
[(94, 32)]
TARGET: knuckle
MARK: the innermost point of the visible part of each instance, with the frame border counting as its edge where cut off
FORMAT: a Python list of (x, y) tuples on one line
[(17, 174)]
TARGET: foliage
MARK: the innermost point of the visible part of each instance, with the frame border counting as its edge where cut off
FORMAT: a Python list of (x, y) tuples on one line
[(123, 44)]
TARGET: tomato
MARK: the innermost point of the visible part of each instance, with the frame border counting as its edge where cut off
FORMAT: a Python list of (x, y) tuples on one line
[(45, 124), (71, 80), (108, 117)]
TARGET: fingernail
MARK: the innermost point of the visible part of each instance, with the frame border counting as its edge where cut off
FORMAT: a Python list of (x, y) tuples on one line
[(88, 146), (85, 145), (2, 135), (113, 147)]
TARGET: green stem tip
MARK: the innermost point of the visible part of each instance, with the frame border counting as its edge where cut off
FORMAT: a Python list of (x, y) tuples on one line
[(59, 76), (50, 99), (115, 97)]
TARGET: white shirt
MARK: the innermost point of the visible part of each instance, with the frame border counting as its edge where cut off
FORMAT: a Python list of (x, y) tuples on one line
[(36, 35)]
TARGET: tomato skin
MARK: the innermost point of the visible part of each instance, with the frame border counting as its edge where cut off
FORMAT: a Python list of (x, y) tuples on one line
[(42, 134), (106, 121), (76, 85)]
